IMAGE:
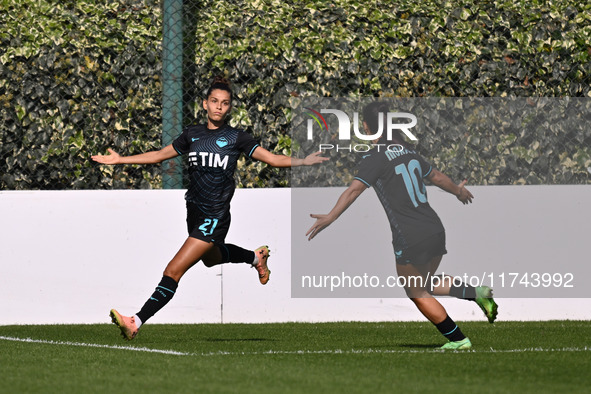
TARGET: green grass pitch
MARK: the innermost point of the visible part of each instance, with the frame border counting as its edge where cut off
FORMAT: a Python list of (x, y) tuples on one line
[(349, 357)]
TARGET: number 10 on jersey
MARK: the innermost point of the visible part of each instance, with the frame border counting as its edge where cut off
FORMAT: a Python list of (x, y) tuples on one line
[(412, 176)]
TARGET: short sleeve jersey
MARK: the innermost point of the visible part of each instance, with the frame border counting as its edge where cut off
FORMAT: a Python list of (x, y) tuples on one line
[(213, 156), (397, 177)]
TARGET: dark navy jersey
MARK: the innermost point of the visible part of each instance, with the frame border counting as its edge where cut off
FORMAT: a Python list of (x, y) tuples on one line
[(213, 155), (397, 177)]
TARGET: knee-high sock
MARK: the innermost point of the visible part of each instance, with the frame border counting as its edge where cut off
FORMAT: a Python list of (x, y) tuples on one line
[(236, 254), (162, 295), (449, 329), (463, 292), (459, 290)]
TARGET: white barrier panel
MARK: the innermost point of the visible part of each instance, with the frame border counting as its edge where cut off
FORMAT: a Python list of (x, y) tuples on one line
[(71, 256)]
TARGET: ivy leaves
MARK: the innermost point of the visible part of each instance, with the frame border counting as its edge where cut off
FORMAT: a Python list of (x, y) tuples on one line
[(78, 76)]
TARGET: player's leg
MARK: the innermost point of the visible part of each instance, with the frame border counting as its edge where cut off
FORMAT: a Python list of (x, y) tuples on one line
[(189, 254), (215, 231), (416, 289), (415, 277), (229, 253), (445, 285)]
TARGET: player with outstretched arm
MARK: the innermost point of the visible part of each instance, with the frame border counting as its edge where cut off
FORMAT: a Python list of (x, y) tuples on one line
[(213, 150), (418, 235)]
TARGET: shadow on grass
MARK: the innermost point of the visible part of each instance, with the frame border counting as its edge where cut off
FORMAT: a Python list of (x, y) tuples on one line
[(405, 346), (420, 345), (239, 340)]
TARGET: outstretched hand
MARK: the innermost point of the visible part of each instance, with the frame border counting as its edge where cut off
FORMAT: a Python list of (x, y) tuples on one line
[(315, 158), (464, 194), (322, 222), (112, 158)]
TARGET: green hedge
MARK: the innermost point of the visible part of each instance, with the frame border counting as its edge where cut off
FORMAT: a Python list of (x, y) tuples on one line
[(77, 77)]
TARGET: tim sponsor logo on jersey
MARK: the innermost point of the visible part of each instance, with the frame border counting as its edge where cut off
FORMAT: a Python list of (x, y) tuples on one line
[(393, 122), (208, 159)]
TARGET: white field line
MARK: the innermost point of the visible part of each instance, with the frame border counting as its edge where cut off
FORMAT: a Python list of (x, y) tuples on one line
[(81, 344), (294, 352)]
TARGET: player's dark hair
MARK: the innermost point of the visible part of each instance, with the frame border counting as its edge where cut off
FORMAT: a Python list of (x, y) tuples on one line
[(221, 83), (371, 115)]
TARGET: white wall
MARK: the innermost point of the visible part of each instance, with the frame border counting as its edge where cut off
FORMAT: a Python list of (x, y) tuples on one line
[(71, 256)]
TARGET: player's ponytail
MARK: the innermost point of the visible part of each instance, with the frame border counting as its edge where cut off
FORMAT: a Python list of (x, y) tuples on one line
[(222, 83)]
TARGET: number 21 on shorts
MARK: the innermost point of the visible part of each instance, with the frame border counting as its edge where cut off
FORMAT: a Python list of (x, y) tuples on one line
[(208, 226)]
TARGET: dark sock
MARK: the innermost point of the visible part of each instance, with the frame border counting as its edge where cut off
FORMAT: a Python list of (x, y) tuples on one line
[(463, 292), (163, 293), (236, 254), (450, 330)]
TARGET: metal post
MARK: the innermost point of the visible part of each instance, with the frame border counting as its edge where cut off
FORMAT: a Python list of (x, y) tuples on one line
[(172, 84)]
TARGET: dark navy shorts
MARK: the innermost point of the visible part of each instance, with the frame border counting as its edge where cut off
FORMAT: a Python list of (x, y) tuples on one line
[(206, 228), (422, 252)]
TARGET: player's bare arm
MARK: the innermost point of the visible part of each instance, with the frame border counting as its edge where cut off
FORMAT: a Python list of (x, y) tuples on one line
[(151, 157), (442, 181), (347, 198), (281, 161)]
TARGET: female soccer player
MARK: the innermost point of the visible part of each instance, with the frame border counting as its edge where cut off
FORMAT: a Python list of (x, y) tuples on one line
[(213, 150), (418, 234)]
